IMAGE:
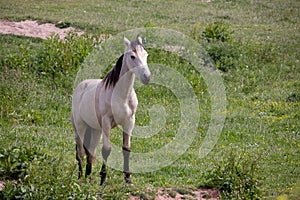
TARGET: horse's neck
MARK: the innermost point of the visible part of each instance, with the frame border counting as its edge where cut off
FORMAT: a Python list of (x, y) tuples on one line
[(126, 82)]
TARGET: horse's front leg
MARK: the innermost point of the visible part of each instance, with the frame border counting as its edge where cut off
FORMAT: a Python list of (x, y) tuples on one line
[(106, 149), (126, 153)]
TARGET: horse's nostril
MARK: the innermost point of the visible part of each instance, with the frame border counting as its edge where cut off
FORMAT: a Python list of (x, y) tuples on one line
[(146, 78)]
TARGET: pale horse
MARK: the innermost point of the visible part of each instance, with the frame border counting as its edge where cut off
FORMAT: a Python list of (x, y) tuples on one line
[(100, 105)]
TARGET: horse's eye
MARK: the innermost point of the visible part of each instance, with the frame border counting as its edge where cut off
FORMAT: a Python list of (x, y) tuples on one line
[(132, 57)]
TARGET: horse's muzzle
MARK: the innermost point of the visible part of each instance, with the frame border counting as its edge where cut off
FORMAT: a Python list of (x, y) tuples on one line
[(145, 78)]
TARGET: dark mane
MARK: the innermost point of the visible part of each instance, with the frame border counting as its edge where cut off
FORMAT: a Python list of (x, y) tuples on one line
[(112, 76)]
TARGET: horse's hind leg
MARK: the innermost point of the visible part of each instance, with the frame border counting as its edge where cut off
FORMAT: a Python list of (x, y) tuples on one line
[(86, 144), (79, 159), (89, 161), (91, 141), (80, 152)]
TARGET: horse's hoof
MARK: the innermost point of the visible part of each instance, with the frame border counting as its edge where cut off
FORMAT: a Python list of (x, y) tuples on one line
[(127, 178), (103, 178), (128, 181), (79, 175), (102, 182)]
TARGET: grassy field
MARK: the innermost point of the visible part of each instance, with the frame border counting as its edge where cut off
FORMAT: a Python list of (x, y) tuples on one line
[(255, 45)]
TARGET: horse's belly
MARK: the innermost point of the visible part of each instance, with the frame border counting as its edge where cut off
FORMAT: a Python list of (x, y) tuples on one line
[(87, 107), (88, 115)]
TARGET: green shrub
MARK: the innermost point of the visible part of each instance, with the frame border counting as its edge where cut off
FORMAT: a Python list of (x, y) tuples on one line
[(235, 177), (59, 58), (55, 58), (15, 161), (218, 42), (217, 31), (225, 55)]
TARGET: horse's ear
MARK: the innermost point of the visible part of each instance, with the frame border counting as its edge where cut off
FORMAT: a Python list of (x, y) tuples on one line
[(126, 41), (139, 39)]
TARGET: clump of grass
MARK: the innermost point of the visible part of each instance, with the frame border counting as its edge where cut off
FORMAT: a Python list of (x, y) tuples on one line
[(63, 24), (235, 177)]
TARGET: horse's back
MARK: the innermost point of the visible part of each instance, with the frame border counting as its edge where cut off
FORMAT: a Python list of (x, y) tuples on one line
[(86, 85), (84, 89)]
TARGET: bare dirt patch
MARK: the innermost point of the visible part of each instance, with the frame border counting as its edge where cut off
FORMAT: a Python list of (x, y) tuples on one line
[(31, 28), (178, 194), (1, 185)]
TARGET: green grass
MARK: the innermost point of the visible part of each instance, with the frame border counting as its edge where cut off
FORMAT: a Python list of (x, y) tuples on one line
[(260, 69)]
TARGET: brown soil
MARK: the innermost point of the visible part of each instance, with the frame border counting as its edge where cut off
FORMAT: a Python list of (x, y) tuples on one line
[(33, 29), (173, 194), (1, 185)]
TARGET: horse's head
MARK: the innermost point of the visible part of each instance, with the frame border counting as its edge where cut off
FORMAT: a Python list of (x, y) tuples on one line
[(135, 58)]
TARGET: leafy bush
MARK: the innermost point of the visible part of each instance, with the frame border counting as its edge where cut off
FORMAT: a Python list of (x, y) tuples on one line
[(228, 53), (15, 161), (50, 178), (225, 55), (235, 177), (218, 41), (55, 58), (217, 31), (60, 58)]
